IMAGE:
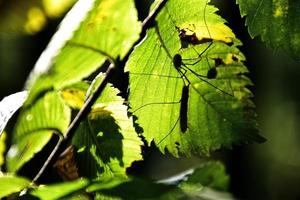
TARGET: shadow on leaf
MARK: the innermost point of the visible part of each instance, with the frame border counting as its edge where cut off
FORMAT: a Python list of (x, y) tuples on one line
[(99, 144)]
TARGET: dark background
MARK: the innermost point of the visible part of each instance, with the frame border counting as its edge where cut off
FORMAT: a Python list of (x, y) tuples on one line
[(266, 171)]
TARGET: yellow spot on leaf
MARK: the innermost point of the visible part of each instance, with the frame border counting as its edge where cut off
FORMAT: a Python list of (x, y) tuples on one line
[(29, 117), (230, 58), (73, 97), (100, 112), (280, 8), (217, 31)]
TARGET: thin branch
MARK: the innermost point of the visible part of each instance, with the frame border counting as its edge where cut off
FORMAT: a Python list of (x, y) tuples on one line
[(153, 14), (37, 176), (85, 110)]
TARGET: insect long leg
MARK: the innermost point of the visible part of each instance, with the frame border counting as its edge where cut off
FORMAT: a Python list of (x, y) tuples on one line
[(199, 57)]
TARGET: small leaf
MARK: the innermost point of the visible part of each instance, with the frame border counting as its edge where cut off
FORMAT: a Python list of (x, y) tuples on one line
[(11, 184), (180, 107), (9, 105), (59, 190), (35, 127), (107, 139), (277, 22)]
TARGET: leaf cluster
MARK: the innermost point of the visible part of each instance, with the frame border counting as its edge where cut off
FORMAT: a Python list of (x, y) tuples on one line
[(193, 105)]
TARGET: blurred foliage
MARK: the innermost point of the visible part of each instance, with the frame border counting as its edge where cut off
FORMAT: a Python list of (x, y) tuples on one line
[(277, 22), (11, 184), (30, 16)]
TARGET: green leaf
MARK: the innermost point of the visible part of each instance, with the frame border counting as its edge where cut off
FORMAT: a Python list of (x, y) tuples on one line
[(206, 193), (219, 111), (211, 174), (277, 22), (202, 184), (133, 188), (59, 190), (35, 127), (208, 181), (107, 141), (11, 184), (108, 32)]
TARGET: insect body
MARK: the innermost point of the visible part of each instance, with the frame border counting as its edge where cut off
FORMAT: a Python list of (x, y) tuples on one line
[(184, 108)]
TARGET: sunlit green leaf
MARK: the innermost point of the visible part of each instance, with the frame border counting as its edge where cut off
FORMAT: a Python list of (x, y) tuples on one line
[(277, 22), (11, 184), (59, 190), (35, 127), (108, 32), (219, 110), (107, 140)]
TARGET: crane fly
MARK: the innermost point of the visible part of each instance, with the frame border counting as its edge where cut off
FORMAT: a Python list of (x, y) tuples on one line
[(184, 71)]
